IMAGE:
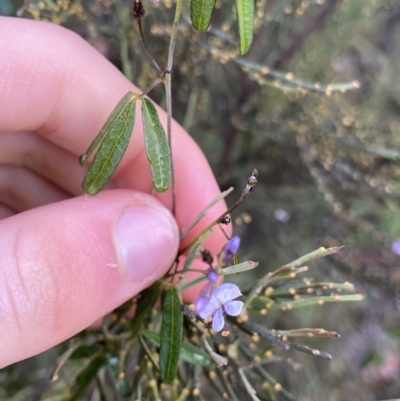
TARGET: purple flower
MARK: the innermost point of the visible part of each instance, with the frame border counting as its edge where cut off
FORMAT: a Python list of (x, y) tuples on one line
[(220, 300), (230, 248)]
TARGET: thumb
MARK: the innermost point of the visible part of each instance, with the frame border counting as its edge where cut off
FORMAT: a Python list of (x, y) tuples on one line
[(67, 264)]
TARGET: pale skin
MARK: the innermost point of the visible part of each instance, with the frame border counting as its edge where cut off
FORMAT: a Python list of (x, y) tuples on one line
[(59, 248)]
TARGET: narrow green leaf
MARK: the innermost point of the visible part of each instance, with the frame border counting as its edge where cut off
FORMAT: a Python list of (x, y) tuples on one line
[(245, 12), (85, 377), (200, 13), (249, 388), (100, 136), (316, 301), (145, 306), (85, 351), (219, 359), (61, 361), (288, 273), (113, 140), (171, 334), (76, 351), (157, 148), (115, 369), (305, 333), (240, 268), (319, 253), (287, 270), (189, 352)]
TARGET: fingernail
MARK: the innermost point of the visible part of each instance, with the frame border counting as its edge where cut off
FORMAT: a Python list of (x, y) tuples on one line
[(146, 240)]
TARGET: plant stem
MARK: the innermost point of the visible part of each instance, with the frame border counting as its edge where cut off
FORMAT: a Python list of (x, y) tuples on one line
[(251, 182), (168, 90), (138, 13), (124, 23), (173, 34), (167, 84), (151, 86)]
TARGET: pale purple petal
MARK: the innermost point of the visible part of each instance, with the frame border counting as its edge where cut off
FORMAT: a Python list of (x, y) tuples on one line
[(203, 298), (207, 311), (207, 290), (200, 302), (226, 292), (221, 300), (233, 308), (218, 322)]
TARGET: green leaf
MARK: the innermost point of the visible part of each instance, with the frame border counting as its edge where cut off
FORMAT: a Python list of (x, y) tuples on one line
[(171, 334), (85, 351), (157, 148), (112, 140), (115, 369), (145, 306), (305, 333), (240, 268), (75, 351), (303, 287), (189, 352), (245, 12), (86, 376), (200, 13), (316, 301)]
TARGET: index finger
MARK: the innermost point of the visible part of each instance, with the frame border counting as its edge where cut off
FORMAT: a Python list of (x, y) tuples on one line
[(54, 83)]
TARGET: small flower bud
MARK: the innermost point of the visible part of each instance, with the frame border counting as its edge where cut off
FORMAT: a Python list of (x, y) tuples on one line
[(212, 275), (230, 248)]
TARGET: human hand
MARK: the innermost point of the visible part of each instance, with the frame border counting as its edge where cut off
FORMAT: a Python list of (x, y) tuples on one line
[(58, 247)]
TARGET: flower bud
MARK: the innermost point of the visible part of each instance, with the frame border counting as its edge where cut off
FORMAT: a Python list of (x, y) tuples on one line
[(212, 275), (230, 248)]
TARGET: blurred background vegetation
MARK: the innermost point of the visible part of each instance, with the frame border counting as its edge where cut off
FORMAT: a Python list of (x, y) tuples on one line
[(329, 160)]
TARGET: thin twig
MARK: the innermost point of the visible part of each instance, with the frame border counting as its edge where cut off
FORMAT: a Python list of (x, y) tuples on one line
[(138, 13), (148, 352), (251, 182), (167, 83), (173, 35), (151, 86)]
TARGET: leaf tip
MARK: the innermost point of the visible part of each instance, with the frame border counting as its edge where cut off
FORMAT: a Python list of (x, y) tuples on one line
[(91, 190), (82, 159)]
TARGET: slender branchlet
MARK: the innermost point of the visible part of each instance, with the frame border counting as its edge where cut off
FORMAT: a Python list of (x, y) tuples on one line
[(165, 76), (168, 92), (251, 183), (138, 13), (151, 86)]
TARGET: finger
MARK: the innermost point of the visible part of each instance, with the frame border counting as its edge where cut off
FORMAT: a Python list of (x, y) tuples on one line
[(44, 158), (22, 189), (66, 95), (57, 275), (5, 211)]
